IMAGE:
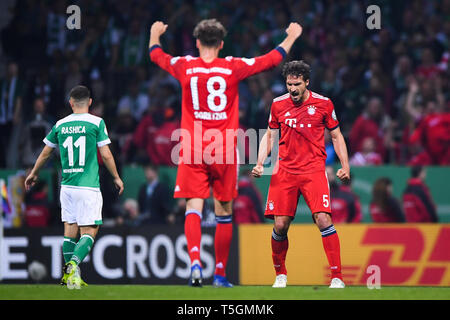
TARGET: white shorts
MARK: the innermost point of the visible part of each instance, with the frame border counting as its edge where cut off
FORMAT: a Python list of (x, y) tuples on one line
[(81, 206)]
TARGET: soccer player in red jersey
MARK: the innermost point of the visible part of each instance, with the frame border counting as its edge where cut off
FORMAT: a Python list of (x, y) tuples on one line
[(210, 107), (302, 117)]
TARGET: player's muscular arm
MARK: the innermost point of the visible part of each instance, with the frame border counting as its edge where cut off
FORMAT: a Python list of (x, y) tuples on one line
[(293, 31), (41, 160), (341, 151), (265, 147), (110, 164), (157, 29)]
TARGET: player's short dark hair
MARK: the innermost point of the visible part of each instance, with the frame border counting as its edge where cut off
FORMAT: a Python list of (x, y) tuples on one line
[(296, 68), (210, 32), (80, 93), (416, 170)]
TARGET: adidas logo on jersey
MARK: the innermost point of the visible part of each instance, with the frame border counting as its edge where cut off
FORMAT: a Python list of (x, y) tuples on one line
[(177, 188), (287, 114)]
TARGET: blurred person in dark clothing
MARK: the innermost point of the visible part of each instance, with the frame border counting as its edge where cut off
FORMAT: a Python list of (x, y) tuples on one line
[(417, 200), (11, 93), (37, 206), (34, 132), (247, 207), (154, 197), (129, 215), (384, 207), (345, 204)]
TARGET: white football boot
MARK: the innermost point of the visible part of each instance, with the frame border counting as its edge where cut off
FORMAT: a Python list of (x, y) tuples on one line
[(280, 281), (337, 283)]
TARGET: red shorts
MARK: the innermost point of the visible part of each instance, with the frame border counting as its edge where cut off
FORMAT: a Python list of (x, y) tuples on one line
[(194, 181), (286, 188)]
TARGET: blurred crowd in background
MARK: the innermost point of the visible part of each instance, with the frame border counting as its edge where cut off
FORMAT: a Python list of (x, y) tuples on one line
[(390, 87)]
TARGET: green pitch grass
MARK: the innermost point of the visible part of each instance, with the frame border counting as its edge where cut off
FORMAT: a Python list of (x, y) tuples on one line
[(171, 292)]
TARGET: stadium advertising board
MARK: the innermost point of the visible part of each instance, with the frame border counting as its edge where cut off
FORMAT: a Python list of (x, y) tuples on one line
[(403, 254), (143, 255)]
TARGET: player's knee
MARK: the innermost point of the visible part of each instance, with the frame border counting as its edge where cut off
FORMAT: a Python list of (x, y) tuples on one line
[(322, 219), (281, 226)]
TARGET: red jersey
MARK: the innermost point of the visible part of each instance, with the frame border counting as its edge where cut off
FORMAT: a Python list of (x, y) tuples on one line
[(302, 127), (210, 97), (432, 133), (418, 203), (362, 128)]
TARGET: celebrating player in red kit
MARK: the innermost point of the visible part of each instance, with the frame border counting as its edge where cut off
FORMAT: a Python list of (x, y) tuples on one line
[(302, 116), (210, 108)]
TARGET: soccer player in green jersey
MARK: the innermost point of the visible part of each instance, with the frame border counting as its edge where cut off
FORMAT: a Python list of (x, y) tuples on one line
[(78, 136)]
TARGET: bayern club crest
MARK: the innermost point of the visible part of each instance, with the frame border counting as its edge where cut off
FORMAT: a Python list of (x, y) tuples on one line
[(270, 205), (311, 110)]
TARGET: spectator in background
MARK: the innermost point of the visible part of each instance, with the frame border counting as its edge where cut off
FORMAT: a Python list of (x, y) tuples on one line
[(129, 215), (367, 156), (134, 50), (345, 204), (372, 123), (176, 217), (34, 132), (74, 76), (418, 203), (428, 66), (432, 134), (247, 207), (56, 27), (153, 135), (384, 207), (162, 139), (37, 206), (154, 199), (122, 136), (43, 87), (11, 91), (134, 101)]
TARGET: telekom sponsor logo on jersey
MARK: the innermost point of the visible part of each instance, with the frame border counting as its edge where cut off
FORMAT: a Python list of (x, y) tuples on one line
[(213, 146)]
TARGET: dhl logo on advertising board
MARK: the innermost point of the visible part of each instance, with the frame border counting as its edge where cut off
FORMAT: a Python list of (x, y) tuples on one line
[(404, 254)]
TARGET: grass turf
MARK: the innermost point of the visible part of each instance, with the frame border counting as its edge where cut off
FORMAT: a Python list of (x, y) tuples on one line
[(173, 292)]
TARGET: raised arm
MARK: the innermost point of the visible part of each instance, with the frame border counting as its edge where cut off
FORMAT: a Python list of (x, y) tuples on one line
[(341, 151), (265, 147), (244, 68), (293, 31), (157, 29)]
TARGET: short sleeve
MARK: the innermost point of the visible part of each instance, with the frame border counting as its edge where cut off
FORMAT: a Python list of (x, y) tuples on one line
[(273, 119), (174, 65), (51, 138), (246, 67), (331, 121), (102, 135)]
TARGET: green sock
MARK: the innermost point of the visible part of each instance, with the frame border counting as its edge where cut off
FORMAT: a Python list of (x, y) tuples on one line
[(82, 248), (67, 248)]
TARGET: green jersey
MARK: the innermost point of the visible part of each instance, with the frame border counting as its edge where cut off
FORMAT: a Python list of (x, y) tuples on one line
[(78, 136)]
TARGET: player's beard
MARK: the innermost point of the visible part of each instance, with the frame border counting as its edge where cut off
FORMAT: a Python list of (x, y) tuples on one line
[(297, 96)]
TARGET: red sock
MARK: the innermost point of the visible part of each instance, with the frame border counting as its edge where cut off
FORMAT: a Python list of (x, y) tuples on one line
[(222, 242), (193, 233), (332, 248), (280, 245)]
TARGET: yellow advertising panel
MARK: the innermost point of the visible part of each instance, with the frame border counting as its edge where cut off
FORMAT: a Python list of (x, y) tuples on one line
[(406, 254)]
